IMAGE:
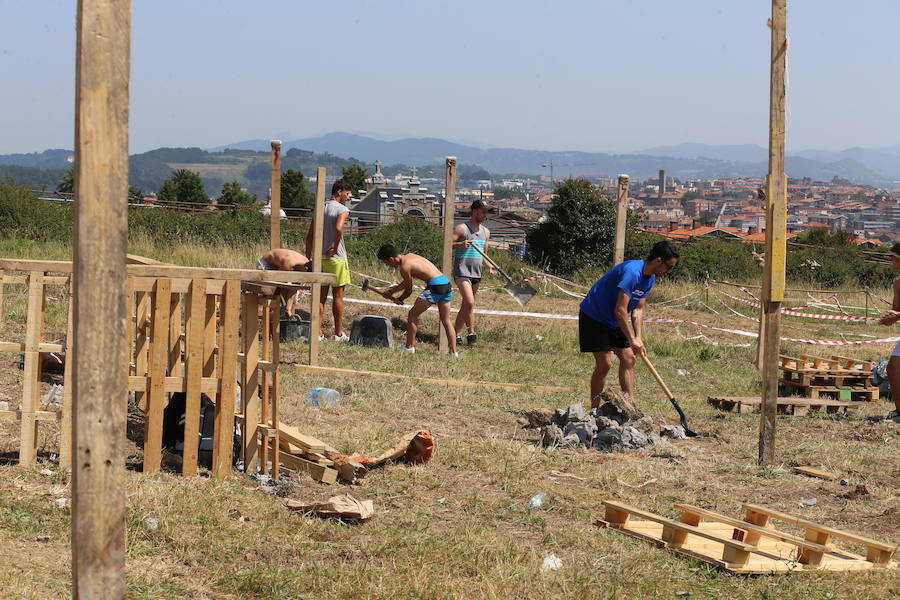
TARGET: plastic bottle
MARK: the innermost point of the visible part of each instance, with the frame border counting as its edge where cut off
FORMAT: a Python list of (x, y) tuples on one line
[(323, 397)]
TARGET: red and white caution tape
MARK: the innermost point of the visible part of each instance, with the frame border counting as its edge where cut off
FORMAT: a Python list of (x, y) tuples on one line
[(515, 313), (560, 279), (795, 313)]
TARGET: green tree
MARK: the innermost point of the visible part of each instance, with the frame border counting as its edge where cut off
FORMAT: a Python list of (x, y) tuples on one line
[(294, 193), (233, 195), (67, 183), (691, 195), (579, 230), (356, 176), (505, 193), (135, 193), (183, 186)]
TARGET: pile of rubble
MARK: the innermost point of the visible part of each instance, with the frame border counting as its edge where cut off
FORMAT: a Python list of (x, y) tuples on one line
[(616, 425)]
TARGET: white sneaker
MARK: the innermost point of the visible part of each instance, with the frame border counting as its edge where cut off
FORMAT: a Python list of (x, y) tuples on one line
[(341, 338), (321, 338), (454, 354), (403, 348)]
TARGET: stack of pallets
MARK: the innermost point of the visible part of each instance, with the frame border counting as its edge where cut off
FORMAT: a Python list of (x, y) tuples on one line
[(838, 377)]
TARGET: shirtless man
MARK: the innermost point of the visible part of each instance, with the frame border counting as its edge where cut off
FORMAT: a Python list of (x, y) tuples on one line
[(282, 259), (437, 291), (892, 316)]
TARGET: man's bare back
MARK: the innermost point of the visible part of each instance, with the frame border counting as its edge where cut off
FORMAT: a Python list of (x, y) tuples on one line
[(418, 267), (282, 259)]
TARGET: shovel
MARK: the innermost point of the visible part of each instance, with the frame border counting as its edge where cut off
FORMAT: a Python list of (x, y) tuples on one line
[(521, 293), (687, 430)]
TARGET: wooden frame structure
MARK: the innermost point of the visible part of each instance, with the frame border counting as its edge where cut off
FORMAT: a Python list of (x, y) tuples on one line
[(189, 330)]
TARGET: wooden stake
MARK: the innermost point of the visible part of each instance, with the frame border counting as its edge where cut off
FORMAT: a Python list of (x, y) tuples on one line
[(315, 313), (31, 377), (447, 256), (65, 430), (776, 234), (621, 219), (275, 204), (100, 385), (250, 381)]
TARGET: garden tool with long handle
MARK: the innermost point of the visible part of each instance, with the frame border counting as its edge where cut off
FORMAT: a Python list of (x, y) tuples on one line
[(521, 292), (687, 430)]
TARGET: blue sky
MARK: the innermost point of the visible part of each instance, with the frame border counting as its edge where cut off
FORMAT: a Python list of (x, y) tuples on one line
[(563, 75)]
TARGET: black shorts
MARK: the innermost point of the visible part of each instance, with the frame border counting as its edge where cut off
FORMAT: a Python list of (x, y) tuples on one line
[(594, 336), (473, 280)]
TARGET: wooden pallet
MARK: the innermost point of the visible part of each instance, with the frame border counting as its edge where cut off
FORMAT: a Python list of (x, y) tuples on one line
[(795, 406), (816, 378), (752, 545), (864, 394), (817, 363)]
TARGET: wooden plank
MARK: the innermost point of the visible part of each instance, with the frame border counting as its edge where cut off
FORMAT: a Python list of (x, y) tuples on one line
[(885, 550), (224, 431), (275, 396), (447, 245), (275, 203), (159, 359), (175, 336), (44, 266), (208, 385), (814, 472), (65, 429), (275, 277), (42, 347), (23, 279), (31, 377), (100, 351), (315, 307), (542, 389), (195, 309), (292, 435), (314, 470), (180, 285), (810, 553), (264, 380), (250, 380), (141, 342), (622, 218), (38, 415)]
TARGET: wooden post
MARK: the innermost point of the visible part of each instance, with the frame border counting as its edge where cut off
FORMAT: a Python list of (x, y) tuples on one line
[(621, 219), (65, 430), (264, 396), (776, 234), (159, 360), (275, 203), (100, 354), (315, 314), (447, 256)]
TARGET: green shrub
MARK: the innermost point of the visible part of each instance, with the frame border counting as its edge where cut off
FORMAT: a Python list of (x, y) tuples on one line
[(23, 215), (409, 234)]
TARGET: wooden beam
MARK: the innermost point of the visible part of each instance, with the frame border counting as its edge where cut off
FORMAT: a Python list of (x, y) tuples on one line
[(195, 308), (65, 429), (621, 219), (776, 235), (159, 360), (447, 253), (250, 380), (315, 310), (102, 66), (224, 431), (275, 202), (31, 377)]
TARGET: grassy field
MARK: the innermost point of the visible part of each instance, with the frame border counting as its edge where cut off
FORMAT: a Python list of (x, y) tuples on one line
[(458, 527)]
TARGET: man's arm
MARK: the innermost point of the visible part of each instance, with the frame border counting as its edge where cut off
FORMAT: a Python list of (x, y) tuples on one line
[(405, 285), (338, 234), (637, 318), (459, 237), (492, 267), (893, 315), (624, 321)]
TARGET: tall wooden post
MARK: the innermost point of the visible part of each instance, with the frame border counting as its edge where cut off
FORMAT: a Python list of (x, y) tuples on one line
[(275, 204), (776, 234), (100, 376), (315, 315), (621, 218), (449, 214)]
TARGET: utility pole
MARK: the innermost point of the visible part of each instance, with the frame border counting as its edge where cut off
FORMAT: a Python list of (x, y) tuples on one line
[(549, 164), (275, 203), (621, 217), (776, 234)]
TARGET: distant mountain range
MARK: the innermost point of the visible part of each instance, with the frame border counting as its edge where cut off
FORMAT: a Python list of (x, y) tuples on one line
[(878, 167)]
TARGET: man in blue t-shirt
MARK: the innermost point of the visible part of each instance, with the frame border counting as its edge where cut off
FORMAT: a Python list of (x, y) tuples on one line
[(612, 315)]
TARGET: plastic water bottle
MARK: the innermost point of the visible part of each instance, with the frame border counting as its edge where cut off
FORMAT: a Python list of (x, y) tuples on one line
[(323, 397), (537, 500)]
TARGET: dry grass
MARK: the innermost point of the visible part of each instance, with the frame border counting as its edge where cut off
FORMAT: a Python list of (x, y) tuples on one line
[(457, 527)]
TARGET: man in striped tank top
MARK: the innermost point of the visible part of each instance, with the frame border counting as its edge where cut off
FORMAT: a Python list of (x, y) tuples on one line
[(467, 264)]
